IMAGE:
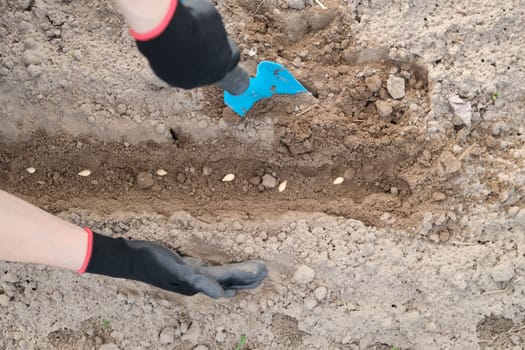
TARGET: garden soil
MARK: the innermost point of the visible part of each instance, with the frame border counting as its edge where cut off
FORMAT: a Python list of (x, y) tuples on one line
[(417, 106)]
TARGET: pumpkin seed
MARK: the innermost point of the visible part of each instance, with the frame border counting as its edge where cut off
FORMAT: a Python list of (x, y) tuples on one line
[(339, 180), (228, 178)]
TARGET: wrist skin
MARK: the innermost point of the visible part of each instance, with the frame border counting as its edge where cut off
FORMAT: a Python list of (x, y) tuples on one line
[(145, 16), (30, 235)]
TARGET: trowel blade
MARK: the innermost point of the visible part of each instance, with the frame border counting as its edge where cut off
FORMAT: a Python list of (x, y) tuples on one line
[(272, 78)]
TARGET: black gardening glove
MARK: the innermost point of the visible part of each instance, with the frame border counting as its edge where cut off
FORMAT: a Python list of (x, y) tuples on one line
[(194, 49), (153, 264)]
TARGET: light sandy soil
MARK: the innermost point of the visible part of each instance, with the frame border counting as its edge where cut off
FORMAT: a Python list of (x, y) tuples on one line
[(421, 247)]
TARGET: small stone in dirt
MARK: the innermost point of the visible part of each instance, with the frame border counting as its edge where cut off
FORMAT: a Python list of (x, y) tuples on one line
[(31, 57), (413, 317), (385, 217), (384, 108), (256, 180), (513, 211), (193, 335), (268, 181), (31, 170), (461, 108), (320, 293), (10, 277), (121, 108), (57, 296), (181, 178), (4, 300), (145, 180), (310, 303), (396, 87), (206, 171), (373, 83), (282, 186), (230, 117), (240, 239), (220, 335), (237, 226), (167, 336), (321, 20), (502, 272), (160, 129), (84, 173), (109, 346), (304, 275), (444, 236), (295, 27), (438, 196), (349, 174), (449, 163), (34, 70), (457, 149), (394, 191), (296, 4)]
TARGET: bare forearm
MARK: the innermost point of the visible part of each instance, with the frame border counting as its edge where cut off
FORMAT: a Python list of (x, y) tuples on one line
[(143, 15), (29, 234)]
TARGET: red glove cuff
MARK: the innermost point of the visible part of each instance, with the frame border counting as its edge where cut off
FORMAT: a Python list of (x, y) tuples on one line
[(155, 32), (88, 252)]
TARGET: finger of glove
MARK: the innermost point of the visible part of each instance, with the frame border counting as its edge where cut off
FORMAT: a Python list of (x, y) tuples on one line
[(202, 268), (193, 262), (230, 293), (207, 285), (200, 5), (190, 278), (245, 275)]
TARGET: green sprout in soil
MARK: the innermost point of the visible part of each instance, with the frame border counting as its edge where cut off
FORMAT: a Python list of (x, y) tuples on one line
[(241, 343), (395, 348), (105, 324), (496, 96)]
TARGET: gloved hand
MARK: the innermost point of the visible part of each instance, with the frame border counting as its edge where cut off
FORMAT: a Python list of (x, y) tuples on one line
[(193, 50), (153, 264)]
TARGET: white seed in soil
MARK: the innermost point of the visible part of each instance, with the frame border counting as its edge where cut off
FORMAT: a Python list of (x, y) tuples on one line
[(85, 173), (162, 172), (282, 186), (31, 170), (339, 180), (228, 178)]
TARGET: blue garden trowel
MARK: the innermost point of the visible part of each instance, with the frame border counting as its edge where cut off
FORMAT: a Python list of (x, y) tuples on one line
[(242, 91)]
